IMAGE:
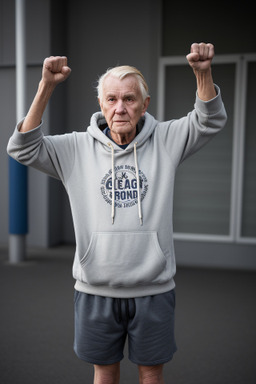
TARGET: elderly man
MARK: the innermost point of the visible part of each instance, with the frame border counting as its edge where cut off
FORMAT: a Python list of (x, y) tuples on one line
[(119, 176)]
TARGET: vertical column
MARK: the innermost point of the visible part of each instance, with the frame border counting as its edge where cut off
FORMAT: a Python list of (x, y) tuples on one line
[(18, 205)]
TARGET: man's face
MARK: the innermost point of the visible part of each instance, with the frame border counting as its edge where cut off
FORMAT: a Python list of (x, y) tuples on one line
[(122, 105)]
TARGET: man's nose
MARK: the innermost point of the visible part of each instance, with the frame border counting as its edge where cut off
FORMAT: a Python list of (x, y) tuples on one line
[(120, 107)]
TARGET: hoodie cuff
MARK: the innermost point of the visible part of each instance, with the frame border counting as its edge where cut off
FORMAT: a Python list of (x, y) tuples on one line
[(212, 106), (24, 137)]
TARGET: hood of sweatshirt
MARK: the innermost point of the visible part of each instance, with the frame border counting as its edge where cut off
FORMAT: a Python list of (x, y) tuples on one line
[(145, 128)]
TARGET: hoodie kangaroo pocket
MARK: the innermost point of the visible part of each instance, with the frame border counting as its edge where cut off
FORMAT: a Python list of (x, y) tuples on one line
[(123, 259)]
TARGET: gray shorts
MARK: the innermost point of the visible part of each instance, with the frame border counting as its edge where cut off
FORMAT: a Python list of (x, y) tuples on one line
[(103, 323)]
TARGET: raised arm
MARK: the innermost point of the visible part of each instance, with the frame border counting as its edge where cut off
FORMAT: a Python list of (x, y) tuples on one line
[(200, 59), (55, 70)]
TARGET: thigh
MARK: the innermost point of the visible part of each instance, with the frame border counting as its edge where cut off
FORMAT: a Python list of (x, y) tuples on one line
[(151, 331), (99, 338)]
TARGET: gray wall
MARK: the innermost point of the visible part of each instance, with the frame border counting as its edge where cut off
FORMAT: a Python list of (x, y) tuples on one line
[(80, 31), (94, 36), (101, 35), (38, 46)]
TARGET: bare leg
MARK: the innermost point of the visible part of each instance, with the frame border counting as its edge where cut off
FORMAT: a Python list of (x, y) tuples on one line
[(107, 374), (151, 374)]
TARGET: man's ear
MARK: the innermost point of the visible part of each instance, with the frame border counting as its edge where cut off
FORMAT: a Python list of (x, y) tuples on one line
[(99, 103), (145, 105)]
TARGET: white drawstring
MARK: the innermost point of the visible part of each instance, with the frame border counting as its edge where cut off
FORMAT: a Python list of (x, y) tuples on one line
[(138, 182), (113, 183)]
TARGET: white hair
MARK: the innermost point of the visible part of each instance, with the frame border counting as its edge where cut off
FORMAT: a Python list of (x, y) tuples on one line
[(121, 72)]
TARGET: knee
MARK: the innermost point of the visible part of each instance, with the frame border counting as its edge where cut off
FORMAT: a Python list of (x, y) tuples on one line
[(105, 379), (151, 375), (106, 374)]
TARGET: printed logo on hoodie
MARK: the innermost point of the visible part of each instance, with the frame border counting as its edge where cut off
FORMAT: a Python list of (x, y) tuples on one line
[(126, 189)]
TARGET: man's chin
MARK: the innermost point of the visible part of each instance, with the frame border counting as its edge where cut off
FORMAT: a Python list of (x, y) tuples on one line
[(122, 126)]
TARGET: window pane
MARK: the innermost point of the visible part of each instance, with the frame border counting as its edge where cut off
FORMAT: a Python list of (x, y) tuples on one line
[(249, 187), (203, 182)]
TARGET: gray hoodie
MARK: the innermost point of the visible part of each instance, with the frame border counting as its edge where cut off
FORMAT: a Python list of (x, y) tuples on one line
[(122, 199)]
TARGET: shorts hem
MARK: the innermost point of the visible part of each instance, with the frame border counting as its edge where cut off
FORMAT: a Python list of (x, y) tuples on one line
[(98, 362), (156, 362)]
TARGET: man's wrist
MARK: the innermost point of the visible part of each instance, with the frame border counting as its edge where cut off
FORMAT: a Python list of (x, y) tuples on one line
[(205, 86), (46, 88)]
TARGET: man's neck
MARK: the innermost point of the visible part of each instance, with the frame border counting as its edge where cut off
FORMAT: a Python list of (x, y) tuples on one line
[(121, 141), (108, 133)]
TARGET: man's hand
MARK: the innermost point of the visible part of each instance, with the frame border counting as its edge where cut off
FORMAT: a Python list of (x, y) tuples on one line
[(55, 70), (200, 57)]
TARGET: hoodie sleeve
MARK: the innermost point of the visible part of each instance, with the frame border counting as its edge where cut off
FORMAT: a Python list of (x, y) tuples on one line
[(53, 155), (185, 136)]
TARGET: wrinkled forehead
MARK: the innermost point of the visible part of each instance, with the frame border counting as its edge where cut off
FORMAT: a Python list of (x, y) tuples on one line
[(115, 85)]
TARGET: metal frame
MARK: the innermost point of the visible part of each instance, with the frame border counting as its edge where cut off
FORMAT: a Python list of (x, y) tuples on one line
[(237, 177)]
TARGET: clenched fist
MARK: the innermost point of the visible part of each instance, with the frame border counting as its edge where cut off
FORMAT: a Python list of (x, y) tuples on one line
[(55, 70), (200, 57)]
